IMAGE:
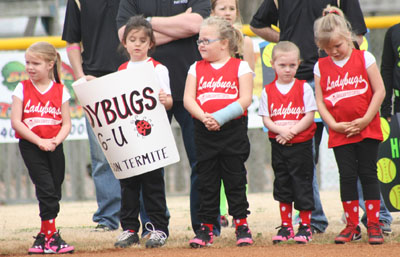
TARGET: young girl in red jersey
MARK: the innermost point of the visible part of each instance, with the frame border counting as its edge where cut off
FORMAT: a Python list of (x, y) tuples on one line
[(40, 117), (229, 10), (138, 40), (287, 107), (217, 93), (349, 91)]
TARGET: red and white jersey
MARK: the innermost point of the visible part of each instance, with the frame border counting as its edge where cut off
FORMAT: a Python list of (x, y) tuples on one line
[(288, 109), (161, 71), (347, 94), (217, 88), (125, 64), (42, 111)]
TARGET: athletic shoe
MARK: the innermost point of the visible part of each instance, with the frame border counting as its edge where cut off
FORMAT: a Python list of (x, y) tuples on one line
[(375, 236), (38, 244), (101, 228), (203, 238), (56, 244), (127, 238), (304, 235), (157, 237), (284, 234), (243, 236), (224, 221), (385, 226), (349, 233)]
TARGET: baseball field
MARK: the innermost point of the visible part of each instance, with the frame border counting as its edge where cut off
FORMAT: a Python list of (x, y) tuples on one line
[(18, 223)]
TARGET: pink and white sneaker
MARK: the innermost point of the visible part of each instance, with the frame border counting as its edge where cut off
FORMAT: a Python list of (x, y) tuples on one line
[(243, 236), (38, 244), (204, 237), (57, 245), (284, 234), (304, 235)]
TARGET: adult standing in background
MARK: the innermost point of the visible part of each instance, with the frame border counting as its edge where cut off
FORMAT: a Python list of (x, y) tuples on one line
[(92, 23), (296, 23), (176, 24), (390, 70)]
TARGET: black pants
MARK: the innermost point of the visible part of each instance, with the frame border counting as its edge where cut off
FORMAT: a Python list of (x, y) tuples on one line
[(358, 160), (221, 155), (153, 189), (47, 171), (294, 170)]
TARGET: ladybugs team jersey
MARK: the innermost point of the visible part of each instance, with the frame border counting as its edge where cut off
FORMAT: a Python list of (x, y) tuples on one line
[(124, 66), (217, 88), (347, 94), (288, 109), (42, 112)]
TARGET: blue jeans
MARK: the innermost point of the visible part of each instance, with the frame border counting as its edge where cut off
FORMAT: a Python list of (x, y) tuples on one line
[(108, 190), (384, 214), (318, 218)]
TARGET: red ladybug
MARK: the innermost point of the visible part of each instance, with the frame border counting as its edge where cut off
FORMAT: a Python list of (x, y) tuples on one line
[(143, 127)]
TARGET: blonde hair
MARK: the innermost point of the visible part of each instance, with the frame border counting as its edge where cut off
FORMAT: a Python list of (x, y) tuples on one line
[(285, 46), (49, 54), (238, 17), (227, 31), (332, 22)]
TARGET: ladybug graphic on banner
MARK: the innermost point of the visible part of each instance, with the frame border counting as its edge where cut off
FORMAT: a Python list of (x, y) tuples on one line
[(143, 126)]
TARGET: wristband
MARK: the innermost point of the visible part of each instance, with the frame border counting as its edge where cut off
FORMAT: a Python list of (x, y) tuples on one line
[(228, 113), (73, 48)]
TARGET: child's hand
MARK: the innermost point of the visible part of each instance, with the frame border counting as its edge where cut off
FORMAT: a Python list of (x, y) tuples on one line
[(162, 96), (286, 133), (280, 140), (356, 126), (47, 145), (89, 77), (210, 123), (341, 127)]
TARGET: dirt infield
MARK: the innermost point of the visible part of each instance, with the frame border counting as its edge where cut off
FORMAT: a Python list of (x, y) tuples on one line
[(20, 222)]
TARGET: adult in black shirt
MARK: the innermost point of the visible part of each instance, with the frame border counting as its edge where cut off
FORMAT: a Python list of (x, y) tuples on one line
[(296, 23), (176, 24), (390, 70), (92, 23)]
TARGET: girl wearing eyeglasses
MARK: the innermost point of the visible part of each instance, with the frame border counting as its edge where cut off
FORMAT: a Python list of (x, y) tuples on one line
[(217, 94)]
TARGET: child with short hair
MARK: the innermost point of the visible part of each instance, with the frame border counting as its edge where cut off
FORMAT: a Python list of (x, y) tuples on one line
[(217, 93), (287, 108), (349, 91), (138, 40), (41, 120)]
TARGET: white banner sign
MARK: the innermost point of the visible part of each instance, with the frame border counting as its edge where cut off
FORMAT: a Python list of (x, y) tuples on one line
[(128, 120)]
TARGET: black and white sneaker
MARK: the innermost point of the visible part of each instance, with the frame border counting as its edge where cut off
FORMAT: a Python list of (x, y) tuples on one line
[(157, 237), (127, 238)]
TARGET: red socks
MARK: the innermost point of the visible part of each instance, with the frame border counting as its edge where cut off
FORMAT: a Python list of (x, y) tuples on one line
[(210, 226), (305, 217), (372, 208), (351, 211), (240, 222), (286, 214), (48, 228)]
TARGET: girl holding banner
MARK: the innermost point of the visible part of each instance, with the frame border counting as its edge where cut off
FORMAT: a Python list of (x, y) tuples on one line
[(218, 92), (138, 40)]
